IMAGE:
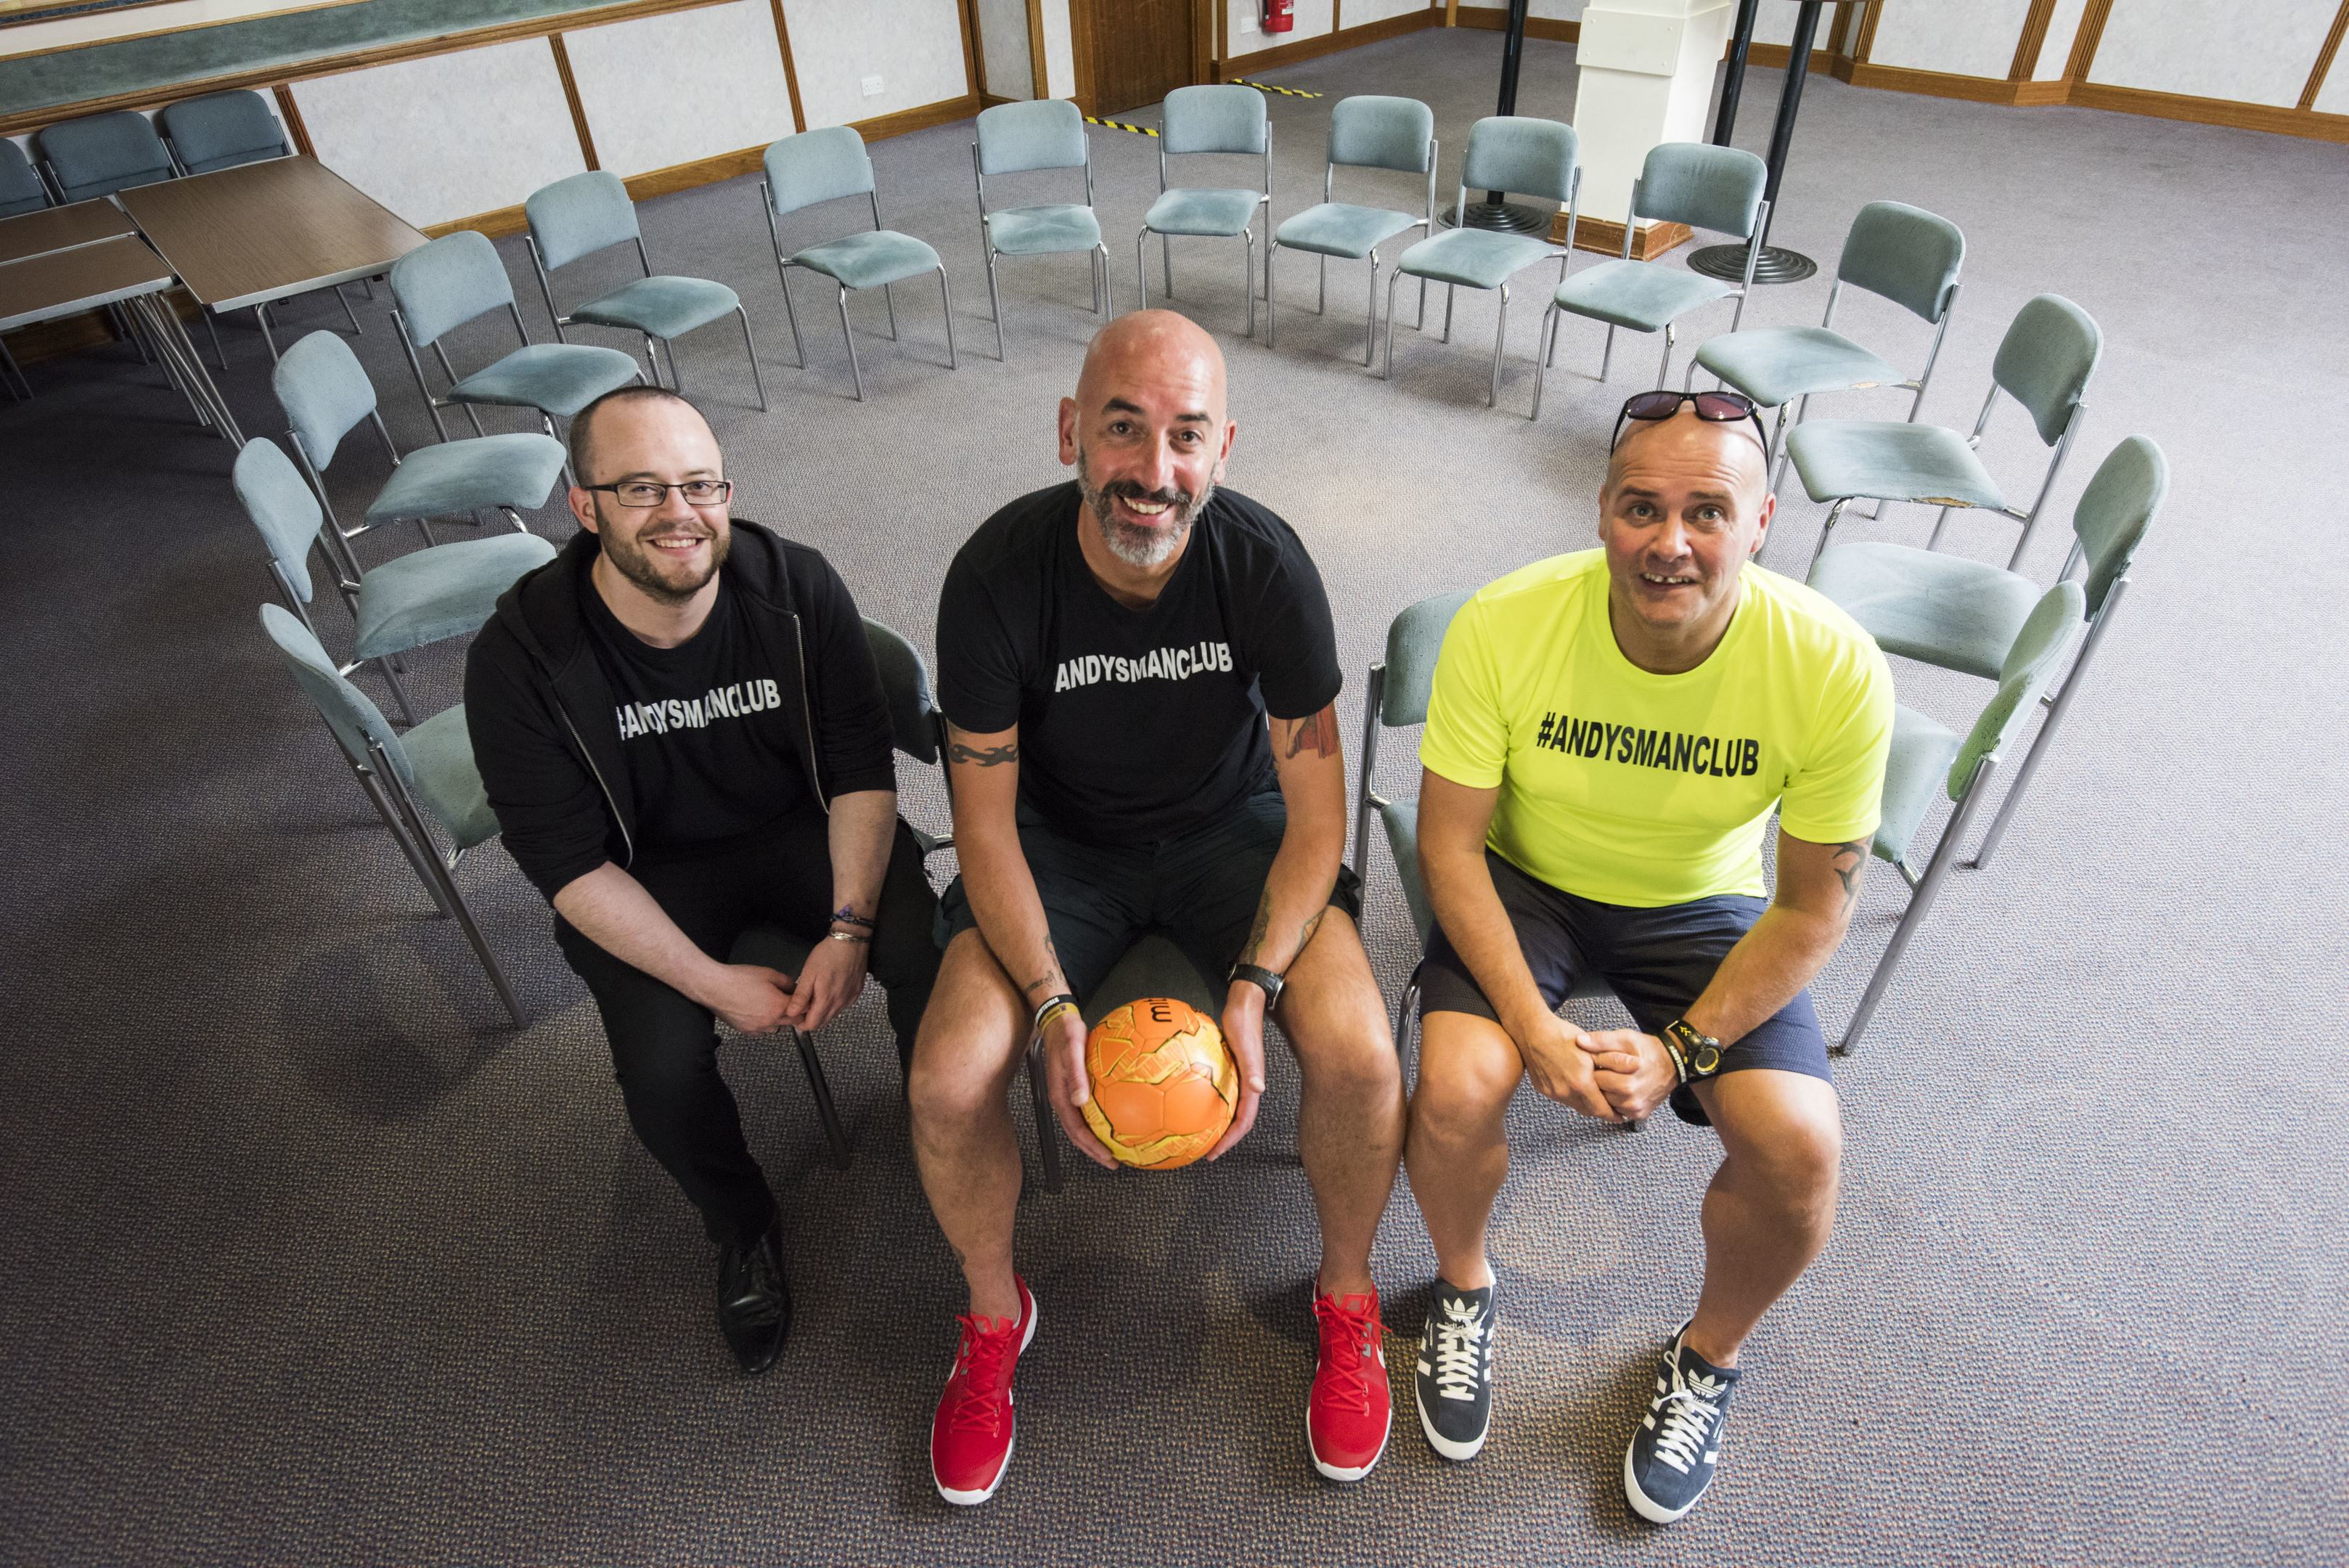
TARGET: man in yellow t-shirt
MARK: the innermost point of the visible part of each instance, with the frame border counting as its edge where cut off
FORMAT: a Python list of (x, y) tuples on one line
[(1607, 735)]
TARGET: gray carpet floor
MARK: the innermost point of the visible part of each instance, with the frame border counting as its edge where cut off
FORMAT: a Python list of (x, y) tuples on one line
[(310, 1259)]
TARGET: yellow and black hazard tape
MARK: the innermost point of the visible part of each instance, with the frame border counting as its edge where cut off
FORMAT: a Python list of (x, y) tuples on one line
[(1267, 86), (1119, 125)]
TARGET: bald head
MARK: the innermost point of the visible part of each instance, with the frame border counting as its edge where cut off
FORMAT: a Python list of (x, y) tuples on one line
[(653, 412), (1156, 345), (1687, 443), (1147, 433)]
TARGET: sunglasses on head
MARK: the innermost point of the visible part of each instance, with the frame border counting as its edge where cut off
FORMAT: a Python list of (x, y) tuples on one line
[(1717, 408)]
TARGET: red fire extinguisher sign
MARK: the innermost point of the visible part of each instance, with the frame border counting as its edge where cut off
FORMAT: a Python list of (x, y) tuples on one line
[(1279, 15)]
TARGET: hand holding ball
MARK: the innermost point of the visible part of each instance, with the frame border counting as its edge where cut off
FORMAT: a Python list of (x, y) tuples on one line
[(1164, 1083)]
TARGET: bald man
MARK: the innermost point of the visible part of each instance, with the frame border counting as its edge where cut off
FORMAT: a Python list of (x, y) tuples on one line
[(1609, 733), (1138, 672)]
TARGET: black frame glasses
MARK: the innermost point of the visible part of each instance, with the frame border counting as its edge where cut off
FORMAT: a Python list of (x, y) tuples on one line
[(1715, 408), (724, 488)]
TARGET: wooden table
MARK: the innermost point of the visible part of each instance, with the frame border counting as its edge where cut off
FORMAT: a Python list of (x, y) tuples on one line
[(120, 270), (264, 231), (61, 229)]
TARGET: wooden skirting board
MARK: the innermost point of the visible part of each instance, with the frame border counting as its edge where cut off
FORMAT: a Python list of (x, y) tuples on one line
[(1327, 43), (1604, 237)]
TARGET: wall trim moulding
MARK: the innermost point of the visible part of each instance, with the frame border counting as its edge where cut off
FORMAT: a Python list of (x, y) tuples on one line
[(1327, 43), (2308, 123), (1496, 19)]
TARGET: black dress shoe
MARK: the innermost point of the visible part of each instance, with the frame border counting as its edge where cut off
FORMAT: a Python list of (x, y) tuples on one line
[(754, 1303)]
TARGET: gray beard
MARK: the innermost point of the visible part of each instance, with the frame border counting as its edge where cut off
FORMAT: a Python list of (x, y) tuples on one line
[(1141, 548)]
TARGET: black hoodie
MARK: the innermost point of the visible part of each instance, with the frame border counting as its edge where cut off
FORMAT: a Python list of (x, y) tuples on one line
[(539, 710)]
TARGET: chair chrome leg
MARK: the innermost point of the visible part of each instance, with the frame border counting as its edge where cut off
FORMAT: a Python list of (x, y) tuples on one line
[(451, 898), (792, 315), (1941, 521), (757, 379), (1421, 325), (1500, 336), (1449, 291), (1247, 277), (1141, 269), (1167, 257), (1108, 288), (419, 861), (652, 359), (1826, 530), (398, 693), (835, 1134), (1371, 328), (212, 324), (1271, 320), (1545, 346), (1393, 279), (946, 298), (2047, 727), (345, 301), (1048, 1125), (994, 302), (1093, 270), (1920, 904), (849, 333), (1664, 367), (1607, 355), (1321, 295)]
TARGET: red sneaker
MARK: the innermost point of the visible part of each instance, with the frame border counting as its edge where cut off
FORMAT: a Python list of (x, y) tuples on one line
[(1347, 1419), (971, 1435)]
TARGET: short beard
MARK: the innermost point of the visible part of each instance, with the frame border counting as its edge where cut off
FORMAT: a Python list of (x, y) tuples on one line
[(631, 561), (1141, 548)]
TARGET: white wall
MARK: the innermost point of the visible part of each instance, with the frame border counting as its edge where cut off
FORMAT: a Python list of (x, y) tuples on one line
[(2253, 51), (1360, 12), (1975, 40), (730, 94), (448, 136), (1003, 43), (2063, 32), (2332, 97), (1059, 51), (1558, 10), (914, 46)]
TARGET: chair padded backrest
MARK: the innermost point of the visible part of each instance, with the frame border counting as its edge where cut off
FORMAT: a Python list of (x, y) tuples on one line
[(324, 392), (1225, 118), (282, 506), (445, 283), (1906, 254), (1521, 154), (905, 687), (1043, 134), (2114, 511), (1705, 187), (2030, 665), (2045, 360), (222, 129), (817, 166), (103, 153), (573, 217), (1367, 131), (353, 720), (21, 190), (1414, 640)]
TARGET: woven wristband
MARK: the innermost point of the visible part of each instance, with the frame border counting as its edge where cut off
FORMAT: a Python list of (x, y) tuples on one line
[(1049, 1008)]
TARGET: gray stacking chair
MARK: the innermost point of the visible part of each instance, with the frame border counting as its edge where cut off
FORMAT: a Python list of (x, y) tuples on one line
[(103, 153), (1506, 153), (2044, 362), (21, 190), (429, 772), (1925, 756), (1395, 697), (448, 590), (1893, 250), (325, 393), (586, 212), (1225, 118), (827, 165), (1963, 615), (458, 277), (1365, 132), (1715, 188), (1018, 138)]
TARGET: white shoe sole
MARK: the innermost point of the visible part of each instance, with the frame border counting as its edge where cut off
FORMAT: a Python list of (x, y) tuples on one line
[(966, 1499), (1443, 1445), (1654, 1512), (1340, 1472)]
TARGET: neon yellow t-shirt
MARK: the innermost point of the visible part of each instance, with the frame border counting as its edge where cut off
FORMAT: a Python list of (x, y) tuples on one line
[(1632, 788)]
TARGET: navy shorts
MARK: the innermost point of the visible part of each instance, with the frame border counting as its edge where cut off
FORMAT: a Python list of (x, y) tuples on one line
[(1658, 960), (1201, 887)]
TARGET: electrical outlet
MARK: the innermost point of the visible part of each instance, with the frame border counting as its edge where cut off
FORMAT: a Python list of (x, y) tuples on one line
[(872, 87)]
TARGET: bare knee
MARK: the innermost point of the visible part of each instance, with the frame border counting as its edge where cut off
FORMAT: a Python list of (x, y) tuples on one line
[(1465, 1081), (970, 1044), (1783, 1136)]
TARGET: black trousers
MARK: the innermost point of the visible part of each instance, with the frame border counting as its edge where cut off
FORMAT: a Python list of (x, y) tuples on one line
[(665, 1045)]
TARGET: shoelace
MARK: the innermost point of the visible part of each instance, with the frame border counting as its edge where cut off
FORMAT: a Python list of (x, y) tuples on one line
[(1346, 1340), (1685, 1415), (1458, 1351), (982, 1363)]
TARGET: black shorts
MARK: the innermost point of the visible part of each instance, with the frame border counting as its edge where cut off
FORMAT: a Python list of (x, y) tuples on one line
[(1201, 887), (1658, 960)]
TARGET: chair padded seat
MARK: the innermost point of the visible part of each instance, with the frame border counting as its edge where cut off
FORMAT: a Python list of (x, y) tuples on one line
[(1040, 230), (516, 470), (1335, 229), (1942, 610), (870, 260), (1917, 765), (447, 590), (1886, 461), (1154, 966), (1642, 295), (1220, 213), (1474, 258), (1401, 819), (1775, 365), (559, 379), (445, 779), (661, 306)]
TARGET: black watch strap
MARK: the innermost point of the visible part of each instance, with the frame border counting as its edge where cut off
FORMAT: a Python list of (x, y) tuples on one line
[(1260, 977), (1699, 1055)]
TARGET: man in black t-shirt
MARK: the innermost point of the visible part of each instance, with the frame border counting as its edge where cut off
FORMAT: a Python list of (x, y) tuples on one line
[(681, 730), (1138, 676)]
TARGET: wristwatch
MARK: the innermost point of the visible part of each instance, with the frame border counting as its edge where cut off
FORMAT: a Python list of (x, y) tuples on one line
[(1260, 977), (1696, 1055)]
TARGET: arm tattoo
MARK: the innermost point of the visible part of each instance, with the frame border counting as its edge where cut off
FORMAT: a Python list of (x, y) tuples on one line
[(1305, 933), (1850, 861), (1319, 732), (1041, 980), (1252, 949), (983, 756)]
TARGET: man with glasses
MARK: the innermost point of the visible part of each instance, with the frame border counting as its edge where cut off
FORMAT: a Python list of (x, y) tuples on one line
[(683, 734), (1609, 733)]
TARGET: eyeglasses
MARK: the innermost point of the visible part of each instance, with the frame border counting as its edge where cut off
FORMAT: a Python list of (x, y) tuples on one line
[(644, 493), (1717, 408)]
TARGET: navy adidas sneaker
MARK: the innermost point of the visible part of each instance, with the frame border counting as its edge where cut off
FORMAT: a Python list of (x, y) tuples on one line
[(1454, 1381), (1677, 1444)]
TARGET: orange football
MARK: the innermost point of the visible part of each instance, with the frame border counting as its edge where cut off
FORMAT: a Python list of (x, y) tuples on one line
[(1163, 1083)]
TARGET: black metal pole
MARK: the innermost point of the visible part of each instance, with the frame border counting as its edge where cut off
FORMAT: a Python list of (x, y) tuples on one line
[(1725, 125), (1790, 103), (1513, 56), (1496, 211), (1776, 264)]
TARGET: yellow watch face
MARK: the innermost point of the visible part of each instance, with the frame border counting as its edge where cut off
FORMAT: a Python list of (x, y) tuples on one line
[(1708, 1059)]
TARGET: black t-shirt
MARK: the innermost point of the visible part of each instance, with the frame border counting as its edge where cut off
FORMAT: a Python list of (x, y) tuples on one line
[(1135, 724), (710, 753)]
